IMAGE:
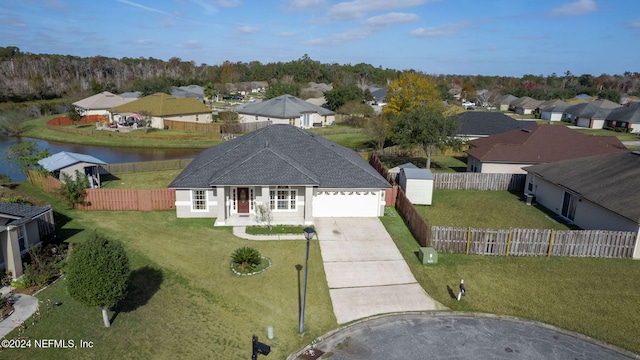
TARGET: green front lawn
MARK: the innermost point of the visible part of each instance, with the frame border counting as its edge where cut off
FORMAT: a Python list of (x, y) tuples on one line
[(595, 297), (186, 301), (485, 209)]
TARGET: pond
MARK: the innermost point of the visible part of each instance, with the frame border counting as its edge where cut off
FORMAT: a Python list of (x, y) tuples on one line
[(110, 155)]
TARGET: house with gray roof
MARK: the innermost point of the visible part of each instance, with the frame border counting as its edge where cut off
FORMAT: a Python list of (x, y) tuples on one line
[(626, 118), (67, 163), (479, 124), (286, 109), (504, 102), (525, 105), (596, 192), (20, 227), (590, 115), (286, 171)]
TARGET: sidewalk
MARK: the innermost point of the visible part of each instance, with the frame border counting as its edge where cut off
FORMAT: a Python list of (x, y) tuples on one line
[(23, 307)]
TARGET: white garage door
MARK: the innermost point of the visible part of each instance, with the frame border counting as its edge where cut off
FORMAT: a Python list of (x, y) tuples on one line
[(346, 204)]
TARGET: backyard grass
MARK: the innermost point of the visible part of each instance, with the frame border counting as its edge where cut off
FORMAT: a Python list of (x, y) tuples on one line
[(485, 209), (140, 180), (622, 136), (185, 299), (595, 297)]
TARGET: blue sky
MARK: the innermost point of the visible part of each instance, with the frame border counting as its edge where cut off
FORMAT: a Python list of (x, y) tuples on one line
[(490, 37)]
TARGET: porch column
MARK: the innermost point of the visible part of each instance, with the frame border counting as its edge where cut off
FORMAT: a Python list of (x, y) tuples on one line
[(308, 205), (221, 198), (636, 250), (13, 259), (264, 198)]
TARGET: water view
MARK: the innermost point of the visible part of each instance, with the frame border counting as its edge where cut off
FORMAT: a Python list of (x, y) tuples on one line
[(110, 155)]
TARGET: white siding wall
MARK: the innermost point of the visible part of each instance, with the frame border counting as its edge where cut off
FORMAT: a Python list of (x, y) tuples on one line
[(348, 203), (296, 121), (184, 205), (419, 191), (503, 168), (551, 116)]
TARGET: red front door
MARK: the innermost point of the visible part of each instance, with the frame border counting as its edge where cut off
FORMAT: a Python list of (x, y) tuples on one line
[(243, 200)]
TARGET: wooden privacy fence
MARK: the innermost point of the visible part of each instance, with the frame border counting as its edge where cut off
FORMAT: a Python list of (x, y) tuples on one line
[(64, 120), (209, 128), (533, 242), (129, 199), (44, 181), (142, 166), (479, 181)]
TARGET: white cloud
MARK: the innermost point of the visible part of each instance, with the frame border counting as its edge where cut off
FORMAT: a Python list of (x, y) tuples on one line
[(391, 19), (56, 5), (246, 29), (228, 3), (302, 5), (358, 9), (347, 36), (131, 3), (144, 42), (443, 30), (207, 6), (579, 7), (190, 44)]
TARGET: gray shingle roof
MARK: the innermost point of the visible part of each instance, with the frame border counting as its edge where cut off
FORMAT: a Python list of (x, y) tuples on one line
[(279, 155), (22, 213), (488, 123), (627, 113), (598, 109), (283, 107), (610, 180)]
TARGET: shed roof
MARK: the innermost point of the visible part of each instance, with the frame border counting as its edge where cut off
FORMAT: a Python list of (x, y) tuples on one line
[(417, 174), (65, 159)]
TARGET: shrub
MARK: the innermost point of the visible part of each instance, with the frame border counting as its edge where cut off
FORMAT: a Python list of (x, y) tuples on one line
[(246, 258)]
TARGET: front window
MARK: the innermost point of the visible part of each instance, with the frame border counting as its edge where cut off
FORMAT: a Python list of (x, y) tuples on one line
[(282, 198), (569, 206), (21, 238), (199, 199)]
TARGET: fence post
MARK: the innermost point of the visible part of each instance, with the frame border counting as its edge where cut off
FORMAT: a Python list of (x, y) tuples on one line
[(550, 242), (468, 239), (509, 241)]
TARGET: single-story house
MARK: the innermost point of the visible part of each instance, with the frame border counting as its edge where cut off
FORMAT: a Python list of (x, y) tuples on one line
[(477, 124), (504, 102), (596, 192), (590, 115), (626, 117), (20, 227), (379, 96), (284, 171), (512, 151), (525, 105), (286, 109), (552, 110), (99, 104), (67, 163), (162, 107)]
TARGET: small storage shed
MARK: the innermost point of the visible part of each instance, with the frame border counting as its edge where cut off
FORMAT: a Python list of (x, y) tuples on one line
[(67, 163), (393, 172), (417, 184)]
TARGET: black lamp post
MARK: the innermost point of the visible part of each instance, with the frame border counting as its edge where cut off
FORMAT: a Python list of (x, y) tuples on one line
[(308, 234)]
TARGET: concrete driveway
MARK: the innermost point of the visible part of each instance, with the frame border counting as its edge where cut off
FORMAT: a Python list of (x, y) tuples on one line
[(365, 271)]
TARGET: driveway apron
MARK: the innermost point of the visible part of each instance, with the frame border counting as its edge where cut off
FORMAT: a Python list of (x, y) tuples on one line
[(365, 271)]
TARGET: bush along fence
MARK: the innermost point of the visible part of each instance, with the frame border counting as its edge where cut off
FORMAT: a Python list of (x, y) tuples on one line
[(533, 242)]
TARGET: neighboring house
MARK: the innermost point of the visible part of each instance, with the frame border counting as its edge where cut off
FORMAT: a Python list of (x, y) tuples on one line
[(553, 112), (99, 104), (525, 105), (504, 102), (287, 171), (286, 109), (512, 151), (477, 124), (379, 96), (596, 192), (67, 163), (626, 117), (590, 115), (162, 107), (20, 227)]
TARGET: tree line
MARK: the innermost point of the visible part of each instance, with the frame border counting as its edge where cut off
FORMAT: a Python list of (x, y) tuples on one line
[(27, 76)]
